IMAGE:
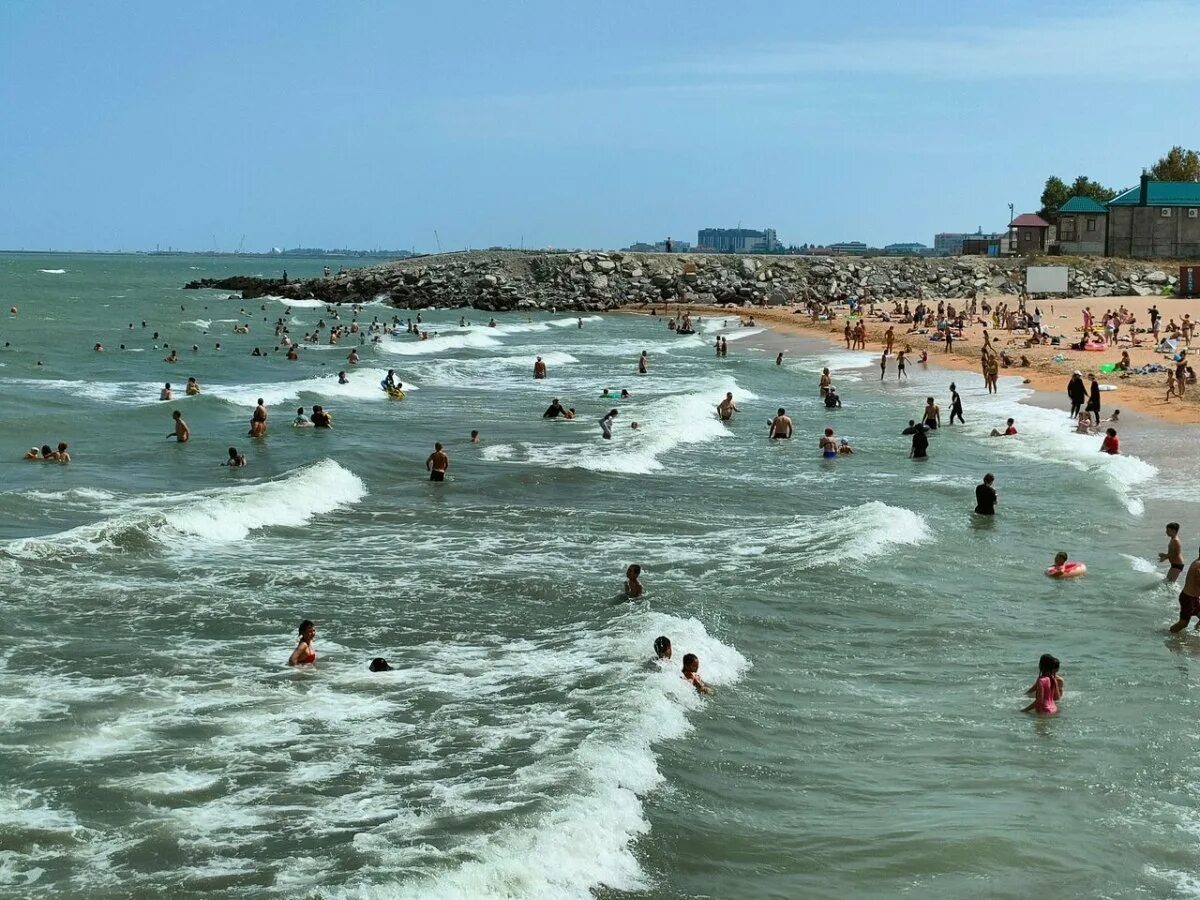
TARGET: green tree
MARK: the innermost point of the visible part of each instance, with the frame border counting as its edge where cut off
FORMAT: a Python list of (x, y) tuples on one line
[(1177, 165), (1055, 194), (1058, 192)]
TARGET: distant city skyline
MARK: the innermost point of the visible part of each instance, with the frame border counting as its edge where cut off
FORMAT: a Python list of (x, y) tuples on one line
[(150, 124)]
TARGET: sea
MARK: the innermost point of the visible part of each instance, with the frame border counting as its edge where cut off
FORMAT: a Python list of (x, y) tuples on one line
[(867, 638)]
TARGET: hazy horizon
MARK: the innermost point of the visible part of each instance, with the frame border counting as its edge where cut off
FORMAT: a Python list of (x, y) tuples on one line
[(362, 126)]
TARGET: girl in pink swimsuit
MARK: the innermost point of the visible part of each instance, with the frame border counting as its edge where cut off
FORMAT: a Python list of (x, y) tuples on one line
[(1047, 688)]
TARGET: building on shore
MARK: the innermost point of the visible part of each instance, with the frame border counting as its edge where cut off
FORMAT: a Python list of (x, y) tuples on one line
[(1082, 226), (950, 243), (843, 248), (1155, 219), (909, 249), (1028, 234), (737, 240), (659, 247)]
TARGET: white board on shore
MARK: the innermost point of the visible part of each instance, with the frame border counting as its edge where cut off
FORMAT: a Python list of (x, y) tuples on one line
[(1046, 279)]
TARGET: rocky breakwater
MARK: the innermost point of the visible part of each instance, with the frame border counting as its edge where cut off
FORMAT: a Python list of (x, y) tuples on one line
[(597, 281)]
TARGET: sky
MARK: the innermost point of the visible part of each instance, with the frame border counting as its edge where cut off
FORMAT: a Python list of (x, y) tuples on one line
[(405, 125)]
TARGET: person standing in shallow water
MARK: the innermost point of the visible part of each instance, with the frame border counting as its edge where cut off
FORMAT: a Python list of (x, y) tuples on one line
[(633, 584), (1174, 554), (955, 405), (643, 363), (920, 443), (985, 496), (1047, 689), (304, 654), (437, 463), (1189, 597)]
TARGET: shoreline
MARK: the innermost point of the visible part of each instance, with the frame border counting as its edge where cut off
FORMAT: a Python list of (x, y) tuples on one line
[(1142, 394)]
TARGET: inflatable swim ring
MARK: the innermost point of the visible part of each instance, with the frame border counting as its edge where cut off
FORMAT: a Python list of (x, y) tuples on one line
[(1067, 570), (395, 394)]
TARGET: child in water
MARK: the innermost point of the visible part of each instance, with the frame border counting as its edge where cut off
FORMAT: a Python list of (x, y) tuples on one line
[(691, 673), (1047, 689)]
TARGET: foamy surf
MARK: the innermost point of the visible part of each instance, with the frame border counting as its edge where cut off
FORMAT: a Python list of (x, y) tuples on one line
[(363, 384), (407, 345), (53, 271), (206, 518)]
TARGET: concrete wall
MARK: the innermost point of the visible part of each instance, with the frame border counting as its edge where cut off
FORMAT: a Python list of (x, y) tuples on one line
[(1080, 241), (1143, 232)]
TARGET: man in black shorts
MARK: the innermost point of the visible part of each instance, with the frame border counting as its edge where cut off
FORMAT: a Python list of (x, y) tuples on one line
[(437, 463), (1189, 597)]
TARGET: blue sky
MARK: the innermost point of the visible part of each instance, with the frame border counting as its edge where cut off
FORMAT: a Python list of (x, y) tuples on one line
[(371, 124)]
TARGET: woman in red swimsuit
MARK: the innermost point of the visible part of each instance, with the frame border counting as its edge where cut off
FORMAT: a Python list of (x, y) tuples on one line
[(304, 652)]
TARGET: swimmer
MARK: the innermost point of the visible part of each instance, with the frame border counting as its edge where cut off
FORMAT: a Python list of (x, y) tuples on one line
[(293, 354), (304, 654), (539, 368), (1174, 554), (301, 420), (832, 400), (779, 359), (605, 394), (1189, 597), (32, 454), (828, 445), (781, 425), (633, 584), (554, 410), (625, 395), (643, 361), (1047, 688), (236, 460), (932, 416), (353, 358), (182, 433), (165, 393), (193, 387), (844, 448), (920, 444), (662, 647), (691, 673), (1009, 430), (569, 414), (985, 496), (474, 437), (171, 358), (61, 454), (342, 379), (635, 426), (726, 408), (912, 427), (606, 425), (320, 418), (379, 664), (99, 348), (826, 382), (437, 463), (48, 455)]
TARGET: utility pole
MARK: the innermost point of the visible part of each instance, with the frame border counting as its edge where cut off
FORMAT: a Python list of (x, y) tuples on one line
[(1009, 229), (438, 239)]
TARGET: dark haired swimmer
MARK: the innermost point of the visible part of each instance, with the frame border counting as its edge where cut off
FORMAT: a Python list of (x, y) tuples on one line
[(304, 654), (781, 425)]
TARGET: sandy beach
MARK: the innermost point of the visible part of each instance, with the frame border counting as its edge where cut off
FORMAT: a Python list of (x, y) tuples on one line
[(1049, 366)]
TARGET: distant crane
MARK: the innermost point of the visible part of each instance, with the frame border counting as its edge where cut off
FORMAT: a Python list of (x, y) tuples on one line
[(438, 239), (241, 244)]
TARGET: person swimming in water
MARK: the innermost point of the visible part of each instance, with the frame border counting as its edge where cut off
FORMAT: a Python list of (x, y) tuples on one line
[(165, 393), (691, 673), (193, 387), (304, 654), (236, 460), (832, 400), (1047, 689), (301, 420), (633, 584), (662, 647), (182, 433)]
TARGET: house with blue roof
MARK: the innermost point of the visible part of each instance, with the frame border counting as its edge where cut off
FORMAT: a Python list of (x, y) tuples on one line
[(1156, 219), (1082, 226)]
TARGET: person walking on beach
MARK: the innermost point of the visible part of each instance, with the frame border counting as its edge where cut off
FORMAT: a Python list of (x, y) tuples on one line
[(985, 496), (781, 426), (726, 408), (955, 405), (437, 463), (1174, 554), (1189, 597), (1093, 403), (182, 433), (1077, 392), (1047, 689), (606, 425)]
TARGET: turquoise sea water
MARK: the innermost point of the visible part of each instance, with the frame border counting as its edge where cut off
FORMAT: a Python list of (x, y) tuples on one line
[(867, 639)]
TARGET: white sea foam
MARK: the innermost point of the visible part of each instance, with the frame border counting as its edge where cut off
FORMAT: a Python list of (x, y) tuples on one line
[(122, 393), (442, 343), (172, 783), (363, 385), (671, 422), (205, 518), (740, 333), (567, 323), (53, 271)]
